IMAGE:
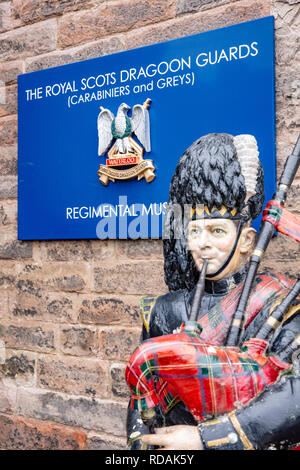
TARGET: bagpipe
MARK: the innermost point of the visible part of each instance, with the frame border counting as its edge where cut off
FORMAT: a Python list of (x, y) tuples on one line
[(208, 378)]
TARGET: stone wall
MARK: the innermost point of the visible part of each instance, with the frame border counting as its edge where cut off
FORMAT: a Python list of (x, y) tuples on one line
[(69, 309)]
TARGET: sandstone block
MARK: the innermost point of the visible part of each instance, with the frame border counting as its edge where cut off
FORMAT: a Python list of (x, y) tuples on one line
[(186, 25), (79, 341), (98, 442), (8, 396), (5, 16), (78, 250), (8, 130), (87, 51), (14, 249), (8, 212), (11, 100), (293, 200), (118, 344), (140, 249), (68, 277), (26, 434), (119, 386), (140, 278), (89, 25), (10, 70), (90, 413), (39, 305), (109, 310), (31, 337), (8, 187), (32, 11), (3, 304), (282, 248), (7, 274), (76, 376), (19, 366), (188, 6), (28, 41)]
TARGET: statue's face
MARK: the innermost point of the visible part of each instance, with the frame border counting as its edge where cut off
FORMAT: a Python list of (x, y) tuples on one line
[(213, 239)]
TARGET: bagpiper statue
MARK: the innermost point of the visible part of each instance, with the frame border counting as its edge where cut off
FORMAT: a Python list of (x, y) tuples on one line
[(218, 365)]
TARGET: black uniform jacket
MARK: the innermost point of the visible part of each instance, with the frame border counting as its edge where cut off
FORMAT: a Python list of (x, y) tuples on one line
[(269, 421)]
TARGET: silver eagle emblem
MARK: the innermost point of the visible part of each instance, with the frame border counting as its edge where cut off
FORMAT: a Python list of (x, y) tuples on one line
[(121, 127), (115, 137)]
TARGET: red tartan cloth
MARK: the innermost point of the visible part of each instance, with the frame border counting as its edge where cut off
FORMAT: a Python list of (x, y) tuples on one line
[(215, 323), (284, 221), (210, 380)]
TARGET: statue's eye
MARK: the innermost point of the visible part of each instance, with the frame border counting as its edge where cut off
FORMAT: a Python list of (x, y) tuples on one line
[(194, 231), (218, 231)]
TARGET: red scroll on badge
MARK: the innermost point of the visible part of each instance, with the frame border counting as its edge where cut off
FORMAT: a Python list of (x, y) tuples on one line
[(210, 380)]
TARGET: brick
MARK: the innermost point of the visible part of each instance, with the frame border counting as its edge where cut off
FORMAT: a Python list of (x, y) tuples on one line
[(76, 376), (9, 71), (118, 344), (19, 366), (8, 130), (86, 26), (28, 41), (198, 22), (32, 337), (79, 341), (26, 434), (5, 16), (8, 213), (139, 249), (119, 386), (88, 51), (8, 396), (109, 310), (140, 278), (188, 6), (38, 305), (11, 99), (78, 250), (31, 11), (68, 277), (89, 413), (97, 442)]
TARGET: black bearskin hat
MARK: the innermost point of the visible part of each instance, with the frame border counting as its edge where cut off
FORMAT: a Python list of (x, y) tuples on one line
[(217, 171)]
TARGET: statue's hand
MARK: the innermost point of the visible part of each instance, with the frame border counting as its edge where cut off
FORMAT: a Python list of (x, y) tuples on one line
[(180, 437)]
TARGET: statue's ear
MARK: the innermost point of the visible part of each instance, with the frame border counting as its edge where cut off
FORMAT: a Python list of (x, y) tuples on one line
[(248, 237)]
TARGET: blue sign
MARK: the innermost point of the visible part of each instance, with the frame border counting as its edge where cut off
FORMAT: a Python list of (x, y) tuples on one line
[(79, 125)]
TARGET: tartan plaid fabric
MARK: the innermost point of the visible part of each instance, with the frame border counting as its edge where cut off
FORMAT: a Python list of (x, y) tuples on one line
[(210, 380), (216, 322), (284, 221)]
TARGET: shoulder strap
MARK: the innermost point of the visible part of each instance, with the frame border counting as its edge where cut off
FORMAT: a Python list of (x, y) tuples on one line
[(146, 307)]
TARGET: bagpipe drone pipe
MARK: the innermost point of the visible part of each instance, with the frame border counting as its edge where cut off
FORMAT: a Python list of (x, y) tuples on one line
[(208, 378)]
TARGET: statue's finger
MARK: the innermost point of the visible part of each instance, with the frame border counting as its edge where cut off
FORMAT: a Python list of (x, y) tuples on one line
[(154, 439)]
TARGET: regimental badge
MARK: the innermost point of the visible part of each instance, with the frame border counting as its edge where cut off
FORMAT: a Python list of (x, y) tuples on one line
[(115, 135)]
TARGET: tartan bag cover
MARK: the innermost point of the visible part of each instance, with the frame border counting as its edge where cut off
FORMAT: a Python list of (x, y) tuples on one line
[(208, 378)]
